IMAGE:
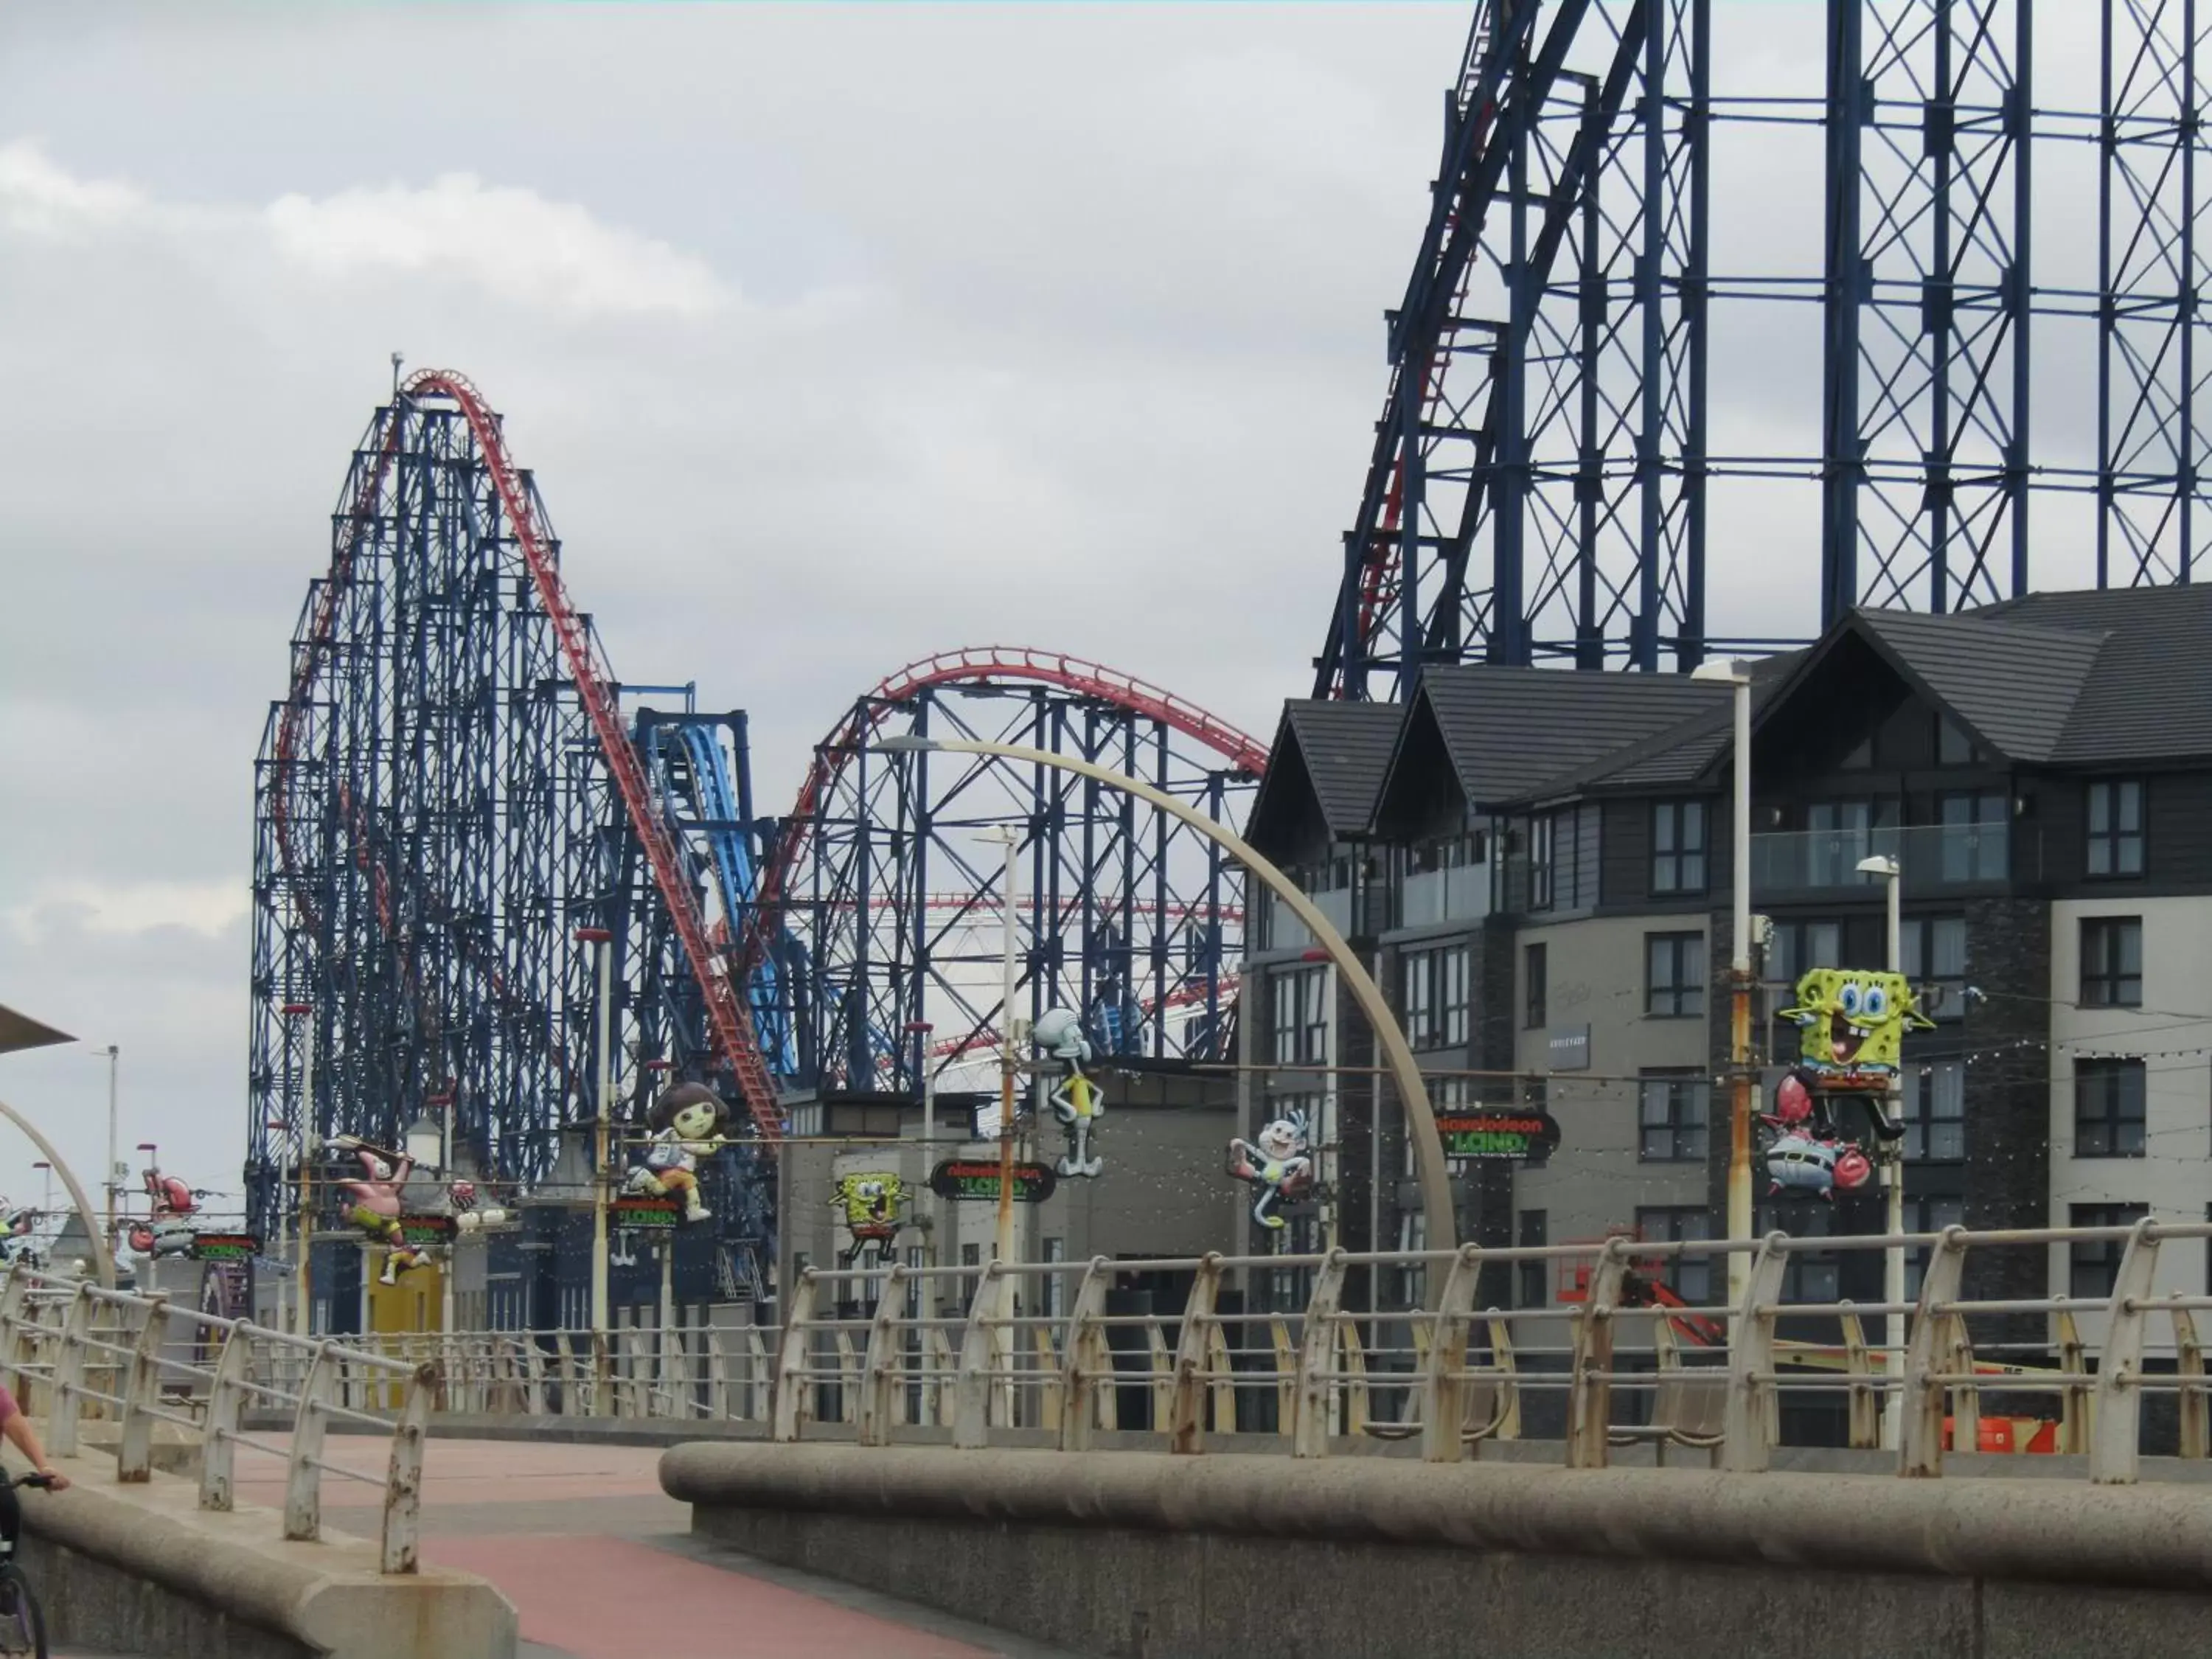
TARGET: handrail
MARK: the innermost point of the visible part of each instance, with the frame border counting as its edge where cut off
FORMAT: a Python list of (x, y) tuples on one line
[(99, 1354), (882, 1354)]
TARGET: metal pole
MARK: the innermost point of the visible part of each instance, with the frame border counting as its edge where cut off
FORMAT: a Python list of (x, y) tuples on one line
[(1740, 1102), (114, 1054), (1003, 1248), (302, 1284), (1892, 1170), (453, 1249), (1397, 1054), (601, 1128)]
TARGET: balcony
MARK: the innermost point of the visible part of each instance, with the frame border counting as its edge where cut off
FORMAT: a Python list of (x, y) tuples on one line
[(1460, 893), (1930, 858)]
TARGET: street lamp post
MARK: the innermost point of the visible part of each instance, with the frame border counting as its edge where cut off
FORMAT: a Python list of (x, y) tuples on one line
[(1009, 1061), (601, 1128), (114, 1056), (302, 1283), (1892, 1170), (1743, 1086), (1428, 1150)]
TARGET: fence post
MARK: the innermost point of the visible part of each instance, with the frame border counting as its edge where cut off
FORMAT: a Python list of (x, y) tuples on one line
[(303, 1479), (787, 1395), (2074, 1399), (1865, 1403), (1444, 1382), (1187, 1411), (1746, 1420), (880, 1369), (1920, 1419), (979, 1347), (1589, 1395), (134, 1447), (1084, 1356), (718, 1372), (68, 1375), (2114, 1433), (403, 1477), (14, 1298), (1316, 1355), (226, 1404), (2189, 1366)]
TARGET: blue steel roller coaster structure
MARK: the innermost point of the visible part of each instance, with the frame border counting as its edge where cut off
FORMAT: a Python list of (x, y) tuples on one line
[(455, 782), (1545, 484), (456, 786)]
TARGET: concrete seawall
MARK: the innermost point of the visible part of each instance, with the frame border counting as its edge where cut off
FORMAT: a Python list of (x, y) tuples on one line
[(1249, 1557)]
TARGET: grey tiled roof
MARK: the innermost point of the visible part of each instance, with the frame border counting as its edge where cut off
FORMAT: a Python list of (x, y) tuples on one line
[(2014, 684), (2150, 694), (1514, 732), (1346, 748)]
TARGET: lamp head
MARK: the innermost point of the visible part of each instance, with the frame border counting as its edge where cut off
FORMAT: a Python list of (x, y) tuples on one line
[(1724, 670), (904, 743), (1879, 865)]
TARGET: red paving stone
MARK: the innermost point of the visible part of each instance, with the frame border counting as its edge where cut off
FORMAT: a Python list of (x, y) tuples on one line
[(563, 1530), (609, 1598)]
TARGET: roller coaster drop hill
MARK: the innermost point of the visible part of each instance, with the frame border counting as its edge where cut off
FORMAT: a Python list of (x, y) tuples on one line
[(456, 786)]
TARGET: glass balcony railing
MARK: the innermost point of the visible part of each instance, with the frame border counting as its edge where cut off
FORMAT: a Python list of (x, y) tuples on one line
[(1930, 856), (1458, 894)]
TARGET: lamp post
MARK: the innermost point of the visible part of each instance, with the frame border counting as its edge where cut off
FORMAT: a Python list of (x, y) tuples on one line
[(114, 1055), (1398, 1055), (302, 1286), (919, 1029), (1009, 1061), (1743, 1086), (46, 1188), (601, 1125), (1892, 1170)]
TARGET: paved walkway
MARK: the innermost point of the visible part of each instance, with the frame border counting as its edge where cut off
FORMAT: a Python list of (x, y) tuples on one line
[(602, 1563)]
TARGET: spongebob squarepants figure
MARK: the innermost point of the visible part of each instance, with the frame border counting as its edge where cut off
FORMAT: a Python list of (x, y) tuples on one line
[(1852, 1024)]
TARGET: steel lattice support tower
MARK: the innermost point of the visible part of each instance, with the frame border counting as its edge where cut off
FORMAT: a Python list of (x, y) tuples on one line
[(1543, 485), (2152, 318)]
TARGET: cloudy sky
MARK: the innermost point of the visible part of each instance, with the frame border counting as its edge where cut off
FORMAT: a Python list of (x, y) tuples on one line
[(837, 335)]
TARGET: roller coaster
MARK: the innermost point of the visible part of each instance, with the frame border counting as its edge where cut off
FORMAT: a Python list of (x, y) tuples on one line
[(455, 784)]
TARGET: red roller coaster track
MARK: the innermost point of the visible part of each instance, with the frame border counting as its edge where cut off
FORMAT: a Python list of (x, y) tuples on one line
[(976, 664), (595, 688)]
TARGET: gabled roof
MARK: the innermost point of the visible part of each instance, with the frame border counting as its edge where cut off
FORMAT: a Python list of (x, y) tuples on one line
[(1512, 733), (1336, 754), (1684, 754), (2150, 695), (2012, 684), (22, 1031)]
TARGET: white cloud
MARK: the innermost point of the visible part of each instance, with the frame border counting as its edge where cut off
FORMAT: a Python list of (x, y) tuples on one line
[(515, 244), (40, 198), (208, 908)]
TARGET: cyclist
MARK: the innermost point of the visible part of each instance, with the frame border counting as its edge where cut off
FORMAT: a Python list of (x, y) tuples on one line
[(15, 1428)]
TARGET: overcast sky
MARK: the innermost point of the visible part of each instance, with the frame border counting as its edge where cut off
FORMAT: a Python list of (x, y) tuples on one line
[(837, 335)]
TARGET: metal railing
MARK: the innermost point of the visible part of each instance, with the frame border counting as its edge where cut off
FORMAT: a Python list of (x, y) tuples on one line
[(82, 1356), (967, 1353)]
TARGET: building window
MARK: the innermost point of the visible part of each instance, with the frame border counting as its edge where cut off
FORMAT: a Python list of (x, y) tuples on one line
[(1674, 974), (1974, 835), (1840, 833), (1433, 985), (2108, 1109), (1690, 1276), (1541, 864), (1798, 947), (2093, 1265), (1935, 961), (1534, 988), (2116, 828), (1673, 1112), (1301, 1011), (1953, 746), (1927, 1215), (2112, 961), (1934, 1101), (1531, 1291), (1678, 847)]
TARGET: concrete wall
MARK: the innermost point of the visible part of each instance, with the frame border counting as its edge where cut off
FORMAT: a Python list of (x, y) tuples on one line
[(1247, 1558)]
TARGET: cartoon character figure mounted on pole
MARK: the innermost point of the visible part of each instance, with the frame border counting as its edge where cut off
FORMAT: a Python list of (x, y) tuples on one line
[(872, 1201), (1279, 1165), (686, 1124), (1851, 1024), (167, 1230), (1076, 1100), (374, 1205), (18, 1239)]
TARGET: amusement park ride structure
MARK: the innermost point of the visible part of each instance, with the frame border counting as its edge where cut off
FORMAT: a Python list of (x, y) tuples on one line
[(455, 782)]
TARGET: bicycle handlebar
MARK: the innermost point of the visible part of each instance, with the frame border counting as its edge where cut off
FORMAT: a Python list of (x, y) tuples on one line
[(39, 1480)]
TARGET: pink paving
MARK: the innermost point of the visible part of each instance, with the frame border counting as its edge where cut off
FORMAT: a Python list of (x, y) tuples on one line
[(606, 1598), (564, 1530)]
